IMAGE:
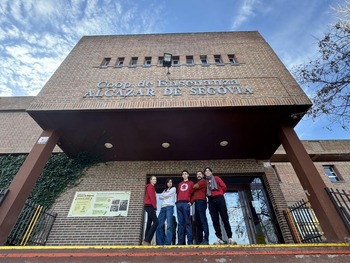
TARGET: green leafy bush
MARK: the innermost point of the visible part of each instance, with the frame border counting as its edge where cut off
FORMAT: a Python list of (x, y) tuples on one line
[(59, 173)]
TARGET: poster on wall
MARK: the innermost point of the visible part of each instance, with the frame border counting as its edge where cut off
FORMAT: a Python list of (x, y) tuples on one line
[(100, 204)]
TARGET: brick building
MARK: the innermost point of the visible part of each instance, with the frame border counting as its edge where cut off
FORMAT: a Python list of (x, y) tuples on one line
[(226, 102)]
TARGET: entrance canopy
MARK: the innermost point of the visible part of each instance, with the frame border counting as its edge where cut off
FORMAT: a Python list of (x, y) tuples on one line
[(192, 133)]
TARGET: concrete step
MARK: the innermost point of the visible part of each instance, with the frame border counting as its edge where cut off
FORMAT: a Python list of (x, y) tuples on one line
[(212, 253)]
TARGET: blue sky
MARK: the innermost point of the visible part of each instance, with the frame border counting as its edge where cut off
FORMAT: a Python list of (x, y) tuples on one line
[(36, 35)]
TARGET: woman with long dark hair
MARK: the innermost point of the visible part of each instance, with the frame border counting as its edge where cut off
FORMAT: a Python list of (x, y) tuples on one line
[(166, 213)]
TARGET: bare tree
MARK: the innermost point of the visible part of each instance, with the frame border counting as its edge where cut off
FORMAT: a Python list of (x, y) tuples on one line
[(328, 75)]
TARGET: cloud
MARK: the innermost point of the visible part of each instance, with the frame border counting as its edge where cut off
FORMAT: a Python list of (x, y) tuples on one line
[(36, 35), (244, 12)]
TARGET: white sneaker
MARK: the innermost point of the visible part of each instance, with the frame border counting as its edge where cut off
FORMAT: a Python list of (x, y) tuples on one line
[(219, 242), (231, 241)]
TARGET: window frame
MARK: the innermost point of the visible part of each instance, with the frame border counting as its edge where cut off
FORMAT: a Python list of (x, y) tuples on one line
[(189, 61), (175, 62), (332, 173), (133, 59), (148, 62), (160, 61), (120, 62), (233, 60), (105, 62), (204, 60), (218, 60)]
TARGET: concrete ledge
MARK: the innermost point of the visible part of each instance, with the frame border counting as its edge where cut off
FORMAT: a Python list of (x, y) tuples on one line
[(226, 253)]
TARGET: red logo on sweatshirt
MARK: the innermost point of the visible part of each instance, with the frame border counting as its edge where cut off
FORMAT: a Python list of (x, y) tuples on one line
[(184, 187)]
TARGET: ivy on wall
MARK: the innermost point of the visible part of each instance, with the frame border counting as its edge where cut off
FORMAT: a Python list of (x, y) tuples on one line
[(59, 173)]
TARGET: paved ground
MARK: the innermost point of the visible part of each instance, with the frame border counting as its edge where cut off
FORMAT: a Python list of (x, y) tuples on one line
[(220, 254)]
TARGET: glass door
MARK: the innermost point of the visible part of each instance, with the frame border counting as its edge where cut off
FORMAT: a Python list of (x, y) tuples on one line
[(250, 216)]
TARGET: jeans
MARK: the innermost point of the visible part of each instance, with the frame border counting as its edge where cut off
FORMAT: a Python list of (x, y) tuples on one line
[(166, 213), (201, 221), (183, 217), (217, 206), (150, 228)]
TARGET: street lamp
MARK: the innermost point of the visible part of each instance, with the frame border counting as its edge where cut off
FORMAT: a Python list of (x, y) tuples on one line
[(167, 60)]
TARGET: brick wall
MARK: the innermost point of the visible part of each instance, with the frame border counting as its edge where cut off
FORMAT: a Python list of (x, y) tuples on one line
[(18, 132), (278, 202), (259, 68), (292, 189), (125, 176)]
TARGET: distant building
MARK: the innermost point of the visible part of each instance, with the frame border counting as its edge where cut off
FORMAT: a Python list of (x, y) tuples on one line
[(226, 101)]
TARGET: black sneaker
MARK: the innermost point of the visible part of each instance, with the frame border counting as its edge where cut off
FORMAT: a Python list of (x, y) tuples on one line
[(204, 242)]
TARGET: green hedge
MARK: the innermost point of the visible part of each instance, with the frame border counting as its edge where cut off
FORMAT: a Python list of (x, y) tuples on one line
[(59, 173)]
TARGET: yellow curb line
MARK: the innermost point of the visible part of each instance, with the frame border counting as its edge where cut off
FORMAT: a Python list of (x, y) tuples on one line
[(174, 246)]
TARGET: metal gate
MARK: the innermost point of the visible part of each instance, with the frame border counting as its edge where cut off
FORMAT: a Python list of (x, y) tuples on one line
[(32, 227), (303, 223), (341, 201)]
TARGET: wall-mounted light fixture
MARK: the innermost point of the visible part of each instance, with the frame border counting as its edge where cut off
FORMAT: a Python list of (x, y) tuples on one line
[(167, 60), (223, 143), (108, 145), (165, 145)]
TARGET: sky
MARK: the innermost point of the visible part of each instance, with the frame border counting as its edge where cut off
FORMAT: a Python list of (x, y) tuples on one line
[(37, 35)]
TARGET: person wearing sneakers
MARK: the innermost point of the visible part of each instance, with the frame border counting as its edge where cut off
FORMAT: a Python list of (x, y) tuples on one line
[(199, 198), (183, 205), (166, 213), (150, 208), (217, 206)]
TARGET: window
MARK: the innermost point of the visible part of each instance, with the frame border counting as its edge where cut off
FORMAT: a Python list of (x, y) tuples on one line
[(176, 61), (120, 62), (204, 60), (218, 60), (332, 174), (148, 62), (133, 62), (105, 62), (189, 60), (160, 61), (232, 59)]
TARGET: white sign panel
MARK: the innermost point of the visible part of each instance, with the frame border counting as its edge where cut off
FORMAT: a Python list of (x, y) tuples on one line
[(95, 204)]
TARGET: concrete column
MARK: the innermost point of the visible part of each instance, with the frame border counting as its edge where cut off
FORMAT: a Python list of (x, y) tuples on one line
[(331, 223), (24, 181)]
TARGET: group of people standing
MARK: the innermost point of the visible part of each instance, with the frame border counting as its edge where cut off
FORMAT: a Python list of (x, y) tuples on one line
[(207, 191)]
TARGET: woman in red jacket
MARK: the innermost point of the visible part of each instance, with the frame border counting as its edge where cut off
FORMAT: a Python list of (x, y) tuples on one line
[(150, 208)]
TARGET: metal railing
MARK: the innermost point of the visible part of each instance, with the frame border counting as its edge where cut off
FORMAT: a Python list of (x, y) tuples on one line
[(341, 201), (303, 223), (32, 227)]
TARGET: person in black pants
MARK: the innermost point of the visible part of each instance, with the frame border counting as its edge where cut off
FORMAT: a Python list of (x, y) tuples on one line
[(150, 208), (217, 206)]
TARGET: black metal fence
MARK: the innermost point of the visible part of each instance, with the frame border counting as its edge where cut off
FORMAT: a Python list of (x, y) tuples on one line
[(341, 201), (32, 227), (303, 223)]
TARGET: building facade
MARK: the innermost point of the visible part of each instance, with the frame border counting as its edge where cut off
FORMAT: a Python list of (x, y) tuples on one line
[(226, 101)]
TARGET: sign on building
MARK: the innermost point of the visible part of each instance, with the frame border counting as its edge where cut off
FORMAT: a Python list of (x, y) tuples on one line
[(87, 204)]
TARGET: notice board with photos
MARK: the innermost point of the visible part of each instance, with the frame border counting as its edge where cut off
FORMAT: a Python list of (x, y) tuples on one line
[(94, 204)]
